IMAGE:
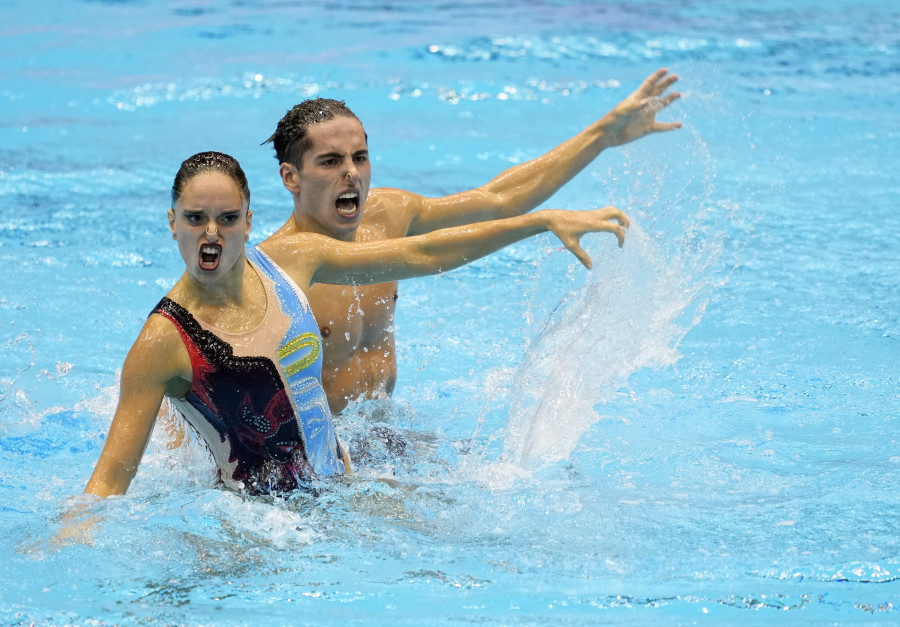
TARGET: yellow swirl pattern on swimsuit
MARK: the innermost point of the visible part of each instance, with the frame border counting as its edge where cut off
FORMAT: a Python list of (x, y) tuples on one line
[(305, 340), (299, 358)]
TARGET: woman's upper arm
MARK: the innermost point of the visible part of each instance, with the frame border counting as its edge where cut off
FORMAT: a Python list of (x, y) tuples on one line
[(310, 258), (153, 363), (365, 263)]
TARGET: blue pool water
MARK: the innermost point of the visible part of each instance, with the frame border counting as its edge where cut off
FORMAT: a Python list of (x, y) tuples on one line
[(701, 429)]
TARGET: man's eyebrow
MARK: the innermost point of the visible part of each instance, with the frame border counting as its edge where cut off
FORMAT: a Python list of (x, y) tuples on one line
[(335, 154)]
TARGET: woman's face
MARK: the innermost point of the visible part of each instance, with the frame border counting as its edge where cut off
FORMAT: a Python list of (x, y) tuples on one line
[(211, 223)]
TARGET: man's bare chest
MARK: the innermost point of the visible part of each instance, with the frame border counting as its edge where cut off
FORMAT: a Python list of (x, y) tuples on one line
[(352, 318)]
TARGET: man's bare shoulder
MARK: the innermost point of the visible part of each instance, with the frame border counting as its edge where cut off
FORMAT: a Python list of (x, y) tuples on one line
[(290, 239), (391, 210)]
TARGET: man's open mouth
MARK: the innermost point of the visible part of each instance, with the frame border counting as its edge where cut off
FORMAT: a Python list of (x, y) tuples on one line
[(209, 256), (347, 204)]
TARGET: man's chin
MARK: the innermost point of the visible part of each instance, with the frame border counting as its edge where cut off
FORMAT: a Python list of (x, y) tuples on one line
[(344, 227)]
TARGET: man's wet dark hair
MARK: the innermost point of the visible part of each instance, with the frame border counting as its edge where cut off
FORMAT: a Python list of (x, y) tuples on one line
[(291, 136), (210, 161)]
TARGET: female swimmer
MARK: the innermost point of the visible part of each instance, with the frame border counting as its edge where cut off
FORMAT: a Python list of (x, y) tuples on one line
[(234, 345)]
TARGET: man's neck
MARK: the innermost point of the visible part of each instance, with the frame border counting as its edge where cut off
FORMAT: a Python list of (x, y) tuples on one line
[(295, 225)]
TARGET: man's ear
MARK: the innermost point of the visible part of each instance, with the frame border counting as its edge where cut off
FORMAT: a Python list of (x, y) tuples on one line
[(172, 223), (290, 178)]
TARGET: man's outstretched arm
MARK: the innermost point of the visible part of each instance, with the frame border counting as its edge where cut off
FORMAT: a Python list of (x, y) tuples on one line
[(524, 187)]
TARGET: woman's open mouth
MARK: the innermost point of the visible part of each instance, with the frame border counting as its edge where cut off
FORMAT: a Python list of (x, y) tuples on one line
[(209, 256), (347, 204)]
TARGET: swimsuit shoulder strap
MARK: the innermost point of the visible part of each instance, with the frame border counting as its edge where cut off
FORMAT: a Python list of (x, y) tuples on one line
[(287, 289)]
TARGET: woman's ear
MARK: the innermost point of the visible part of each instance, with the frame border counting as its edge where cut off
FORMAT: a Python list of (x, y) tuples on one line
[(171, 213), (290, 178), (249, 224)]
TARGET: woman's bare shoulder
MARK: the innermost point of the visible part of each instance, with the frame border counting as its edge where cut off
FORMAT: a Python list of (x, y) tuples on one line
[(158, 353)]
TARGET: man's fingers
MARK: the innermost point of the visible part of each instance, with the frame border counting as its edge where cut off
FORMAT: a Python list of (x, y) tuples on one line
[(666, 126), (664, 84), (649, 83), (658, 104), (666, 101), (657, 83)]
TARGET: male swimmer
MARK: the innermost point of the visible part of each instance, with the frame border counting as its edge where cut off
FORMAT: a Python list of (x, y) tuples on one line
[(324, 162), (233, 345)]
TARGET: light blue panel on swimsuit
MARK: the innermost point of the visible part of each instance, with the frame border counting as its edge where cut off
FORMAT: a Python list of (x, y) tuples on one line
[(300, 357)]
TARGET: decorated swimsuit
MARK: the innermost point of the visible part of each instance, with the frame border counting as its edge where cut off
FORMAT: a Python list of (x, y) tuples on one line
[(256, 398)]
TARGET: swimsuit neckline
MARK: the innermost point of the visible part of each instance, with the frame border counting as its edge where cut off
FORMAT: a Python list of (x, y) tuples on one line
[(267, 290)]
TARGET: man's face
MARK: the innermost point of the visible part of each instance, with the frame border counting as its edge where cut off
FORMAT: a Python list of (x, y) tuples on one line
[(333, 180)]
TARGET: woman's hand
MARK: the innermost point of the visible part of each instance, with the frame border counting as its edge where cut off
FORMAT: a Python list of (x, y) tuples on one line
[(77, 523), (569, 226)]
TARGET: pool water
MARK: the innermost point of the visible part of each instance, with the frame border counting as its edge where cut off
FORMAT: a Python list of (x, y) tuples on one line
[(699, 429)]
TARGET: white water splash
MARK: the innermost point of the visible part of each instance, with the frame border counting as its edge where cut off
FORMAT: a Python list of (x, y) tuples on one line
[(634, 313), (595, 340)]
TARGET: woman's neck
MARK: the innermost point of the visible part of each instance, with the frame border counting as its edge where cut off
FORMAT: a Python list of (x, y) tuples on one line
[(236, 303)]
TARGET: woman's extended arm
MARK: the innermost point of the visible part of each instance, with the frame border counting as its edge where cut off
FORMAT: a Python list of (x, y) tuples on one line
[(151, 365), (316, 259)]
